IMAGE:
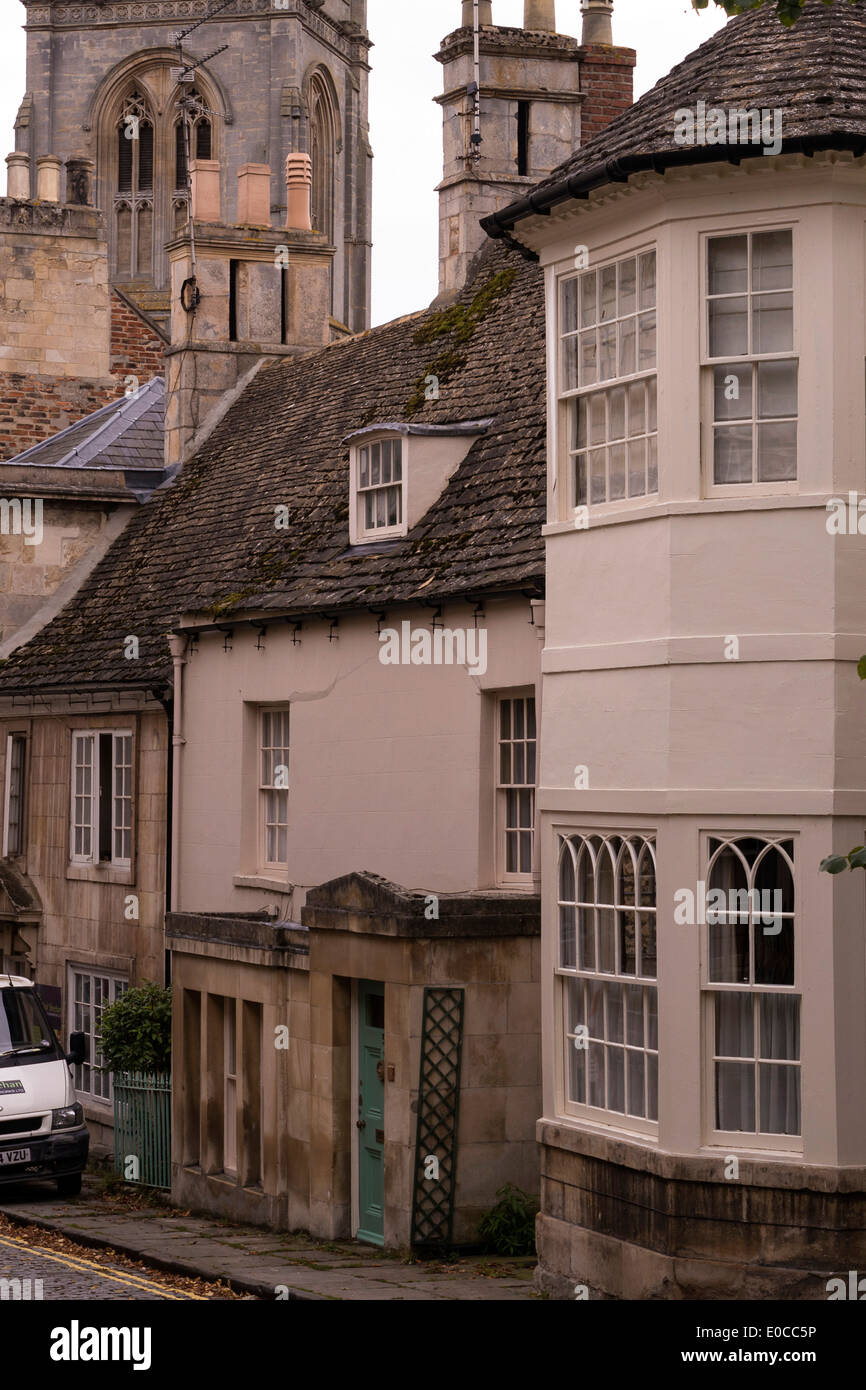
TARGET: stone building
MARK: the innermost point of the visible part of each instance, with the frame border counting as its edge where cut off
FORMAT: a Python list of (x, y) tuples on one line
[(703, 1132)]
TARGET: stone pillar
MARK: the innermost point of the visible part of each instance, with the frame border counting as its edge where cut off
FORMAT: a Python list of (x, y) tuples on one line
[(18, 175), (539, 15), (597, 21), (48, 178), (254, 195), (299, 184), (484, 13), (205, 174), (79, 182)]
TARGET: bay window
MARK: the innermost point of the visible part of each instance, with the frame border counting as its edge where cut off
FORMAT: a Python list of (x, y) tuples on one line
[(606, 973), (751, 381), (607, 381)]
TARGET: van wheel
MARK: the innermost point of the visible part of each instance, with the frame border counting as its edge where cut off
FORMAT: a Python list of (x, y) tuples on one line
[(69, 1185)]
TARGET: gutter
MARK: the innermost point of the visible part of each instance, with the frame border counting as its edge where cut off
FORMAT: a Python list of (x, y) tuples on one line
[(499, 225)]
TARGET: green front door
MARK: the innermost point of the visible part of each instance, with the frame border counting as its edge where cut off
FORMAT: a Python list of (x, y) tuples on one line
[(371, 1111)]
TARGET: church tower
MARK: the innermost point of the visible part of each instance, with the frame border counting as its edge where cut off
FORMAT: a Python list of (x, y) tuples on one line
[(264, 79), (517, 103)]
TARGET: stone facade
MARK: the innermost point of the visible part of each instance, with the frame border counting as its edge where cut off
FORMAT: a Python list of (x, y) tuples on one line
[(296, 1104), (84, 916), (84, 61)]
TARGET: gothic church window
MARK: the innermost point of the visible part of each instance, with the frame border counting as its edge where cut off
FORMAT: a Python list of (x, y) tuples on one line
[(133, 199), (322, 156)]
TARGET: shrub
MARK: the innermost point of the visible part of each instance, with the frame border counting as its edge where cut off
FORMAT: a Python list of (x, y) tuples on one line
[(136, 1030), (509, 1227)]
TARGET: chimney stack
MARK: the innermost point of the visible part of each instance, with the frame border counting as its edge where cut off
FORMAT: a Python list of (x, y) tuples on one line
[(597, 21), (299, 188), (539, 15), (484, 14)]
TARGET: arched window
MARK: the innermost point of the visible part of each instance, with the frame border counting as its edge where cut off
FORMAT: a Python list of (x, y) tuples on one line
[(133, 199), (200, 140), (323, 143)]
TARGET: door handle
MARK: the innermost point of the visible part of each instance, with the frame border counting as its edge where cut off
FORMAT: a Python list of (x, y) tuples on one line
[(361, 1124)]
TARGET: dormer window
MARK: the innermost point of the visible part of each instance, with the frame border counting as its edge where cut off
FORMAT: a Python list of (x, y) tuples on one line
[(380, 488), (397, 472)]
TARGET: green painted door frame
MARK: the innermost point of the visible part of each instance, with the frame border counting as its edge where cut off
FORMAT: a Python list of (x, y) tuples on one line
[(371, 1111)]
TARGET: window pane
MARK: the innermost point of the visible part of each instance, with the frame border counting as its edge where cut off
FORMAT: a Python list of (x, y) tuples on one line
[(780, 1099), (569, 364), (627, 357), (597, 482), (616, 467), (636, 467), (728, 261), (637, 408), (777, 452), (732, 454), (588, 300), (613, 998), (588, 358), (780, 1026), (596, 1075), (636, 1100), (567, 941), (616, 413), (607, 352), (646, 353), (735, 1025), (652, 1078), (648, 280), (735, 1096), (627, 944), (627, 280), (606, 940), (652, 465), (772, 260), (652, 415), (634, 1015), (608, 292), (732, 392), (773, 322), (375, 463), (774, 951), (595, 1008), (729, 952), (568, 300), (615, 1079), (586, 931), (729, 328), (652, 1006), (397, 459), (597, 419)]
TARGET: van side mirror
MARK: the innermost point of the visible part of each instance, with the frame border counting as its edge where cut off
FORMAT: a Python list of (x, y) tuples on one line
[(77, 1049)]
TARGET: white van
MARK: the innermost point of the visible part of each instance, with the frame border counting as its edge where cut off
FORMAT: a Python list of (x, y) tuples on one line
[(42, 1129)]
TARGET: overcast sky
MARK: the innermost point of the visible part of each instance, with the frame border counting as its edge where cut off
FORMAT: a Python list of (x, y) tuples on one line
[(406, 123)]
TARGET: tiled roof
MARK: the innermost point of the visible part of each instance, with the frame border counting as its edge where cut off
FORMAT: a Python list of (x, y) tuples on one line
[(125, 435), (814, 73), (208, 542)]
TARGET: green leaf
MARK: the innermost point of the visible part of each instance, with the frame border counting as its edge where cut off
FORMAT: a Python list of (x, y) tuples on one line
[(857, 858), (861, 668), (834, 864)]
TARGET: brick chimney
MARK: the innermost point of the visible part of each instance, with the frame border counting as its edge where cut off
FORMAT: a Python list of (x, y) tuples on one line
[(606, 72)]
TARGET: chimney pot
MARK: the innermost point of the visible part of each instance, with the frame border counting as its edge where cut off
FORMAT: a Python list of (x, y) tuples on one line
[(299, 185), (205, 176), (485, 15), (539, 15), (18, 175), (48, 178), (597, 21), (254, 195)]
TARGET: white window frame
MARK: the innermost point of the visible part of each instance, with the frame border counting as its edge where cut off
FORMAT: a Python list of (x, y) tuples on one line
[(360, 533), (571, 840), (516, 878), (267, 790), (128, 798), (709, 364), (731, 1140), (12, 738), (567, 395), (118, 984)]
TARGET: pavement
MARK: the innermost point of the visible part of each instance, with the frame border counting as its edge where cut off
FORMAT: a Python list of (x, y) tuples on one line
[(269, 1265)]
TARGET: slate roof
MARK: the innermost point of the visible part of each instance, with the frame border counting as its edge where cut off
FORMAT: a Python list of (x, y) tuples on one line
[(125, 436), (207, 542), (815, 73)]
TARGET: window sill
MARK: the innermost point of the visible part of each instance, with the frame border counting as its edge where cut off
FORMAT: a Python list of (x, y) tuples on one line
[(602, 515), (265, 881), (100, 873)]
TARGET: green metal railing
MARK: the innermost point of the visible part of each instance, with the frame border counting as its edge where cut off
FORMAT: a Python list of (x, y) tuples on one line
[(142, 1127)]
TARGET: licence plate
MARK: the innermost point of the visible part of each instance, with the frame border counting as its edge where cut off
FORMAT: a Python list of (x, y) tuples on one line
[(15, 1156)]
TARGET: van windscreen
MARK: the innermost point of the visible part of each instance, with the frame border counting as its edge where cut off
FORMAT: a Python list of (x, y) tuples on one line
[(24, 1027)]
